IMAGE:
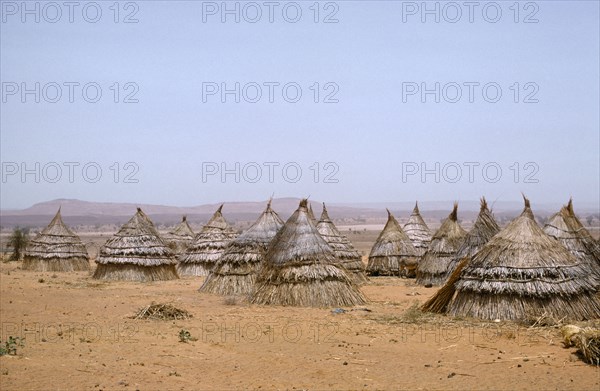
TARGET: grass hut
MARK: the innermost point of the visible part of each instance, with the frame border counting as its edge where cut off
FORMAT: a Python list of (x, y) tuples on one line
[(311, 214), (235, 271), (136, 253), (56, 249), (417, 231), (522, 273), (344, 250), (302, 270), (483, 230), (568, 230), (393, 253), (180, 237), (434, 264), (201, 255)]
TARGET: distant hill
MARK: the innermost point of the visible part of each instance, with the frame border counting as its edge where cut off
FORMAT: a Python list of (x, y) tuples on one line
[(77, 212)]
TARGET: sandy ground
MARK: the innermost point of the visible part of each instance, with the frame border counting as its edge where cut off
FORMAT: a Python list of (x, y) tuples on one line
[(79, 335)]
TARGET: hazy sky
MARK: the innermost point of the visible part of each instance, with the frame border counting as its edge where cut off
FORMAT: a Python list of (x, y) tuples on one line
[(366, 123)]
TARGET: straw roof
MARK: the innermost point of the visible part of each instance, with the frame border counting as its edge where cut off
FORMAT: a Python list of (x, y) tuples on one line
[(433, 266), (417, 231), (56, 249), (522, 273), (206, 248), (235, 271), (483, 230), (180, 237), (311, 214), (344, 250), (302, 270), (568, 230), (393, 253), (136, 253)]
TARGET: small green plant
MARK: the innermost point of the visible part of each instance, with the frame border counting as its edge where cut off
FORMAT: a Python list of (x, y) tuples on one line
[(185, 336), (11, 345)]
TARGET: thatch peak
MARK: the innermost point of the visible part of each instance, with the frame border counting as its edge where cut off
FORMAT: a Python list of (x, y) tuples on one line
[(324, 214), (416, 208), (484, 205), (527, 212), (184, 219), (304, 203), (570, 206), (454, 214)]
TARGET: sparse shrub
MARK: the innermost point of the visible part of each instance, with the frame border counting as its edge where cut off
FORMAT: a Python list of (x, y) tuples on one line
[(11, 345), (185, 336), (18, 241)]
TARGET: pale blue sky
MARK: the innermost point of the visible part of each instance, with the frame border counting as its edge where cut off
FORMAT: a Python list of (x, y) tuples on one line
[(369, 133)]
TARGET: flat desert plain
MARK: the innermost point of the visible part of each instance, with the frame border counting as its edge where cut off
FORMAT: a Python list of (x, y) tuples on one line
[(80, 335)]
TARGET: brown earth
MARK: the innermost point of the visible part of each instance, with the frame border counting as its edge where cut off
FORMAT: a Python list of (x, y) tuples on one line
[(79, 336)]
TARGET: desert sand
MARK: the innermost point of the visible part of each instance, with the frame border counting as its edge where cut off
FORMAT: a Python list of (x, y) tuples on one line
[(79, 334)]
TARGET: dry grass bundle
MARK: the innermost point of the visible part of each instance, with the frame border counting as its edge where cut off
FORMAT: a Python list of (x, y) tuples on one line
[(483, 230), (136, 253), (56, 249), (522, 272), (433, 266), (586, 340), (235, 271), (565, 227), (207, 247), (180, 237), (301, 269), (164, 311), (439, 302), (343, 249), (393, 253), (417, 231)]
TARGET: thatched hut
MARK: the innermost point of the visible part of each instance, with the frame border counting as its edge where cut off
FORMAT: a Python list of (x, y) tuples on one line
[(136, 253), (201, 255), (433, 266), (522, 273), (344, 250), (235, 271), (568, 230), (393, 253), (483, 230), (311, 214), (417, 231), (180, 237), (56, 249), (301, 269)]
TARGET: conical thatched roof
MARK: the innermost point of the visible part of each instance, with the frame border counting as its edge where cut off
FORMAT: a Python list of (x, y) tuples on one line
[(311, 214), (568, 230), (302, 270), (344, 250), (483, 230), (393, 253), (201, 255), (56, 249), (523, 273), (235, 271), (434, 264), (136, 253), (417, 231), (180, 237)]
